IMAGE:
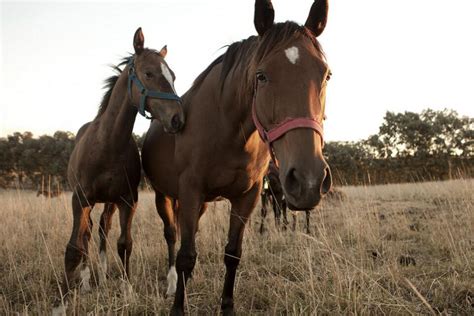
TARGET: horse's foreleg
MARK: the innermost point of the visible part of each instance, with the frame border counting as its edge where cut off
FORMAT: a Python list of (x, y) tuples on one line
[(125, 242), (86, 272), (77, 247), (165, 208), (189, 208), (105, 223), (241, 210)]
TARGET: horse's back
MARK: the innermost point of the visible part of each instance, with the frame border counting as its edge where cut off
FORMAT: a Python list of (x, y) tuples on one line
[(81, 131), (158, 160)]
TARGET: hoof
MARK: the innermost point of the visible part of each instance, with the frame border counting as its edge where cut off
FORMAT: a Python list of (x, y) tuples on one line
[(227, 307), (176, 311), (102, 278), (127, 290), (85, 280), (228, 311), (103, 266), (172, 280), (59, 310)]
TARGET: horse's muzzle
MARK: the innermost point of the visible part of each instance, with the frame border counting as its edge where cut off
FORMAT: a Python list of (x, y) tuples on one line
[(175, 124), (305, 188)]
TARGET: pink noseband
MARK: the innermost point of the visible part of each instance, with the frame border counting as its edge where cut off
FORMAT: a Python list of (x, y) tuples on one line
[(282, 128)]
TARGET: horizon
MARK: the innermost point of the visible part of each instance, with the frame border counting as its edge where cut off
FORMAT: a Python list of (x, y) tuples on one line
[(35, 135), (392, 59)]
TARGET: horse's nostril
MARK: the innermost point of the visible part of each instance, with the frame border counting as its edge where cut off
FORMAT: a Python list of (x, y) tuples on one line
[(176, 123), (291, 181), (327, 181)]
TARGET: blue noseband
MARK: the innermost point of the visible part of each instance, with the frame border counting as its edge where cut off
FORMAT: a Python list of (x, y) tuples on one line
[(144, 92)]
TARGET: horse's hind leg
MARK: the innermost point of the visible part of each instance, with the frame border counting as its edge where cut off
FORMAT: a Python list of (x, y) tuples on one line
[(277, 212), (241, 210), (285, 213), (293, 214), (77, 247), (263, 211), (125, 242), (105, 223), (308, 215), (165, 207)]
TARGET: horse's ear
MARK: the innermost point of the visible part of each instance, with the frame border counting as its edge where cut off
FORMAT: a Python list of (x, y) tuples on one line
[(164, 51), (318, 17), (138, 41), (264, 16)]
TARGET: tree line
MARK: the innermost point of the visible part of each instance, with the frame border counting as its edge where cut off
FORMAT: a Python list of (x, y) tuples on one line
[(431, 145)]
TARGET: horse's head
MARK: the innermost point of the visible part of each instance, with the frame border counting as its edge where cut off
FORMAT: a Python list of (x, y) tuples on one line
[(290, 92), (151, 85)]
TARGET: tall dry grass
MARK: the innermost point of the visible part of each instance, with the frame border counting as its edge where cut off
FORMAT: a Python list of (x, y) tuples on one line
[(393, 249)]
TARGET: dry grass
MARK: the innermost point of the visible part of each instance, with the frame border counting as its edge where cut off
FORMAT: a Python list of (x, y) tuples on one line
[(395, 249)]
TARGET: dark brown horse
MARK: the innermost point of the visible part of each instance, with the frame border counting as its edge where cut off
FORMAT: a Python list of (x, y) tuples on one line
[(104, 166), (272, 196), (279, 75)]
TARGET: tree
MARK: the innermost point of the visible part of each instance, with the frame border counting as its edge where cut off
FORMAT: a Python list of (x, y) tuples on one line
[(428, 133)]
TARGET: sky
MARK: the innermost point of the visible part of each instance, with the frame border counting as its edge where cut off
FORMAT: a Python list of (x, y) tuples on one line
[(391, 55)]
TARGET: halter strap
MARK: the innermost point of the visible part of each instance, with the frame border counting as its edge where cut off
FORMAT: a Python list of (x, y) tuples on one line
[(144, 92), (288, 124)]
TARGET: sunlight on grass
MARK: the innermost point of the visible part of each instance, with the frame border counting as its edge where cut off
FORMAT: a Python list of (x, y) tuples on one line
[(398, 249)]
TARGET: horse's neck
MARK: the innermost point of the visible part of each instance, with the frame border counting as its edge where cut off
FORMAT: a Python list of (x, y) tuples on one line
[(238, 110), (116, 123)]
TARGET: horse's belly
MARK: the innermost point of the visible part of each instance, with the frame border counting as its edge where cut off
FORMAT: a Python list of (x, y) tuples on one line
[(112, 186), (107, 181)]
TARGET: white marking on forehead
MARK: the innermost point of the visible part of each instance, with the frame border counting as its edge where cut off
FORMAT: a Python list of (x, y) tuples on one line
[(166, 72), (292, 54)]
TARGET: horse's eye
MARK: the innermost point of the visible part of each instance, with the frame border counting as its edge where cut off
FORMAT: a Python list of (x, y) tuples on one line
[(328, 77), (261, 76), (148, 75)]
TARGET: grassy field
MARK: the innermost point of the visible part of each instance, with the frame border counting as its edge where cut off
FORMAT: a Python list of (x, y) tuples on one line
[(394, 249)]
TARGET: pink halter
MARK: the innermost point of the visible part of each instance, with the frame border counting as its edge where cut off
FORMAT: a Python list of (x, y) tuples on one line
[(283, 127)]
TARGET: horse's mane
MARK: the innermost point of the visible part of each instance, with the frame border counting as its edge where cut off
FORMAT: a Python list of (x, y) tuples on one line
[(236, 52), (109, 84), (245, 55)]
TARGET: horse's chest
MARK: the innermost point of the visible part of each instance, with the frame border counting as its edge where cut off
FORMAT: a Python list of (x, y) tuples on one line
[(238, 175)]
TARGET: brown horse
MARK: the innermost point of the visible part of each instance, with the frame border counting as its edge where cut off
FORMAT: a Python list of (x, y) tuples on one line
[(104, 166), (279, 76)]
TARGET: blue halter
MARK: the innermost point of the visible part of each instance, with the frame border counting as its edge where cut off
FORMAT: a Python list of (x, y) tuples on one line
[(144, 92)]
